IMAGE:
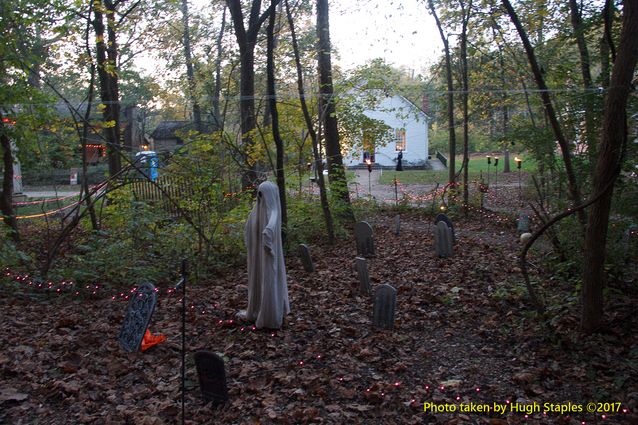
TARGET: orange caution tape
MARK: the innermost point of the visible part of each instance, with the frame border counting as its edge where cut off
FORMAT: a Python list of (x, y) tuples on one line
[(150, 340)]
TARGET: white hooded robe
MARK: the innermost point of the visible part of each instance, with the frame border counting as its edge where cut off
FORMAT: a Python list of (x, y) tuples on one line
[(267, 287)]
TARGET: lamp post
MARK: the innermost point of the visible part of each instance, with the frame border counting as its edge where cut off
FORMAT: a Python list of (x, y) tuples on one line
[(495, 173), (519, 162), (369, 164), (489, 162)]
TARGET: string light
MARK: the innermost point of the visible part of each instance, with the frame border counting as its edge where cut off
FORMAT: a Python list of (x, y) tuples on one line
[(381, 389)]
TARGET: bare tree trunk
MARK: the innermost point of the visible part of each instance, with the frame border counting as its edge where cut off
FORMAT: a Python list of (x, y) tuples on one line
[(6, 196), (614, 139), (190, 69), (218, 72), (574, 191), (336, 171), (579, 34), (325, 206), (85, 128), (466, 10), (450, 99), (109, 91), (246, 40), (274, 115)]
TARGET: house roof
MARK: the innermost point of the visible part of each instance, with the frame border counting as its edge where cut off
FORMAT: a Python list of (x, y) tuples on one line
[(406, 100), (167, 129)]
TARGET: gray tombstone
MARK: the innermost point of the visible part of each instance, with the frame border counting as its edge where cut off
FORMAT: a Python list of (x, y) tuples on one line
[(212, 377), (306, 259), (444, 218), (397, 224), (138, 316), (364, 278), (363, 237), (443, 240), (523, 223), (385, 301)]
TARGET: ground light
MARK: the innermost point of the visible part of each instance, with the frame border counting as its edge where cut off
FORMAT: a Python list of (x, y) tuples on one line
[(369, 164), (519, 162), (495, 173)]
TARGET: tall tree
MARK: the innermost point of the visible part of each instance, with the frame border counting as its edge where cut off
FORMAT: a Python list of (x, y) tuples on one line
[(107, 66), (274, 115), (6, 196), (573, 187), (325, 206), (190, 68), (247, 40), (466, 10), (612, 144), (579, 34), (217, 88), (336, 171), (450, 97)]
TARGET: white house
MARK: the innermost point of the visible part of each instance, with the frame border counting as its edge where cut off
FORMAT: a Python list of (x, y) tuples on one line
[(408, 134)]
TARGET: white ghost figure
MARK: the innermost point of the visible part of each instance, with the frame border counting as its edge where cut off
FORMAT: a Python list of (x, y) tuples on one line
[(267, 288)]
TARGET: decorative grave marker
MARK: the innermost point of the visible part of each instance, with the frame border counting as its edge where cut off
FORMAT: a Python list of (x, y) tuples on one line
[(306, 259), (363, 236), (385, 300), (212, 377), (397, 224), (364, 277), (523, 223), (444, 218), (443, 240), (138, 316)]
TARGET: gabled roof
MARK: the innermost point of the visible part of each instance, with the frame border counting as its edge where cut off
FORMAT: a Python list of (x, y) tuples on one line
[(167, 129), (412, 105)]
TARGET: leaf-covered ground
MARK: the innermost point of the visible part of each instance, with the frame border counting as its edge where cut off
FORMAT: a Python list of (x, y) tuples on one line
[(464, 334)]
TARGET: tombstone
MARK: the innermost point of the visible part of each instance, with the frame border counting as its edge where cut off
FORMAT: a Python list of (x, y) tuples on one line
[(385, 301), (306, 259), (523, 223), (397, 224), (212, 377), (364, 278), (363, 237), (444, 218), (138, 316), (443, 240)]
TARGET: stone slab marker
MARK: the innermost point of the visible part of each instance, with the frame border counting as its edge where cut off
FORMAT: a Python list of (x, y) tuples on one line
[(523, 223), (443, 240), (397, 224), (444, 218), (363, 237), (138, 316), (306, 259), (385, 300), (212, 377), (364, 278)]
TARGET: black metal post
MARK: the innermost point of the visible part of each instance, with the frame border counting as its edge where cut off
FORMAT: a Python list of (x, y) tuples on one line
[(495, 174), (369, 163), (396, 191), (184, 273)]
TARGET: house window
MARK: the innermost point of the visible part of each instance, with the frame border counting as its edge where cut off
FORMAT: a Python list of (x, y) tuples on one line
[(399, 137)]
